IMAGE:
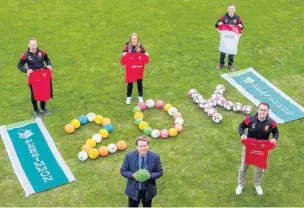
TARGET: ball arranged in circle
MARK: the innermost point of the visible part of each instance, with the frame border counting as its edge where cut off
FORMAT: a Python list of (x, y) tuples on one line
[(103, 133), (121, 145), (143, 125), (112, 148), (103, 151), (91, 142), (138, 115), (82, 156), (98, 119), (172, 132), (69, 128), (97, 138), (167, 107), (155, 133), (83, 119), (142, 106), (147, 131), (91, 117), (164, 133), (159, 104), (75, 123), (150, 103), (93, 153), (109, 127)]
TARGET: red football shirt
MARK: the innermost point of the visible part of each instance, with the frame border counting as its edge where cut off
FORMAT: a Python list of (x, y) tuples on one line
[(40, 79), (134, 66), (257, 151)]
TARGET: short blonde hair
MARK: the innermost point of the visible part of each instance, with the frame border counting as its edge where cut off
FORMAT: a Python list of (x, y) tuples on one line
[(32, 39), (142, 138)]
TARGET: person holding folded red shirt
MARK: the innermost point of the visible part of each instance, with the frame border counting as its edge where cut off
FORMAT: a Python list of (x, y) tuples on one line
[(134, 46), (259, 127), (36, 59)]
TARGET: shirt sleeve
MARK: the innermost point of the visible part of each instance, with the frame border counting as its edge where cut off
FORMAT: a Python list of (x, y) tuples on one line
[(21, 63), (275, 130), (219, 20), (46, 58), (244, 125), (241, 22), (125, 49)]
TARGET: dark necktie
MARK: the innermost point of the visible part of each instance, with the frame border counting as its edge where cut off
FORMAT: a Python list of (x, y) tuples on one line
[(142, 164)]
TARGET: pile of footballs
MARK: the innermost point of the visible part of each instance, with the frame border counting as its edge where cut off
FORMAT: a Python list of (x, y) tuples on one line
[(156, 133), (89, 150), (217, 99)]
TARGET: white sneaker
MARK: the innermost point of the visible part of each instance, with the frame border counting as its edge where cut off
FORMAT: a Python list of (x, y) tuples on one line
[(140, 99), (128, 101), (259, 190), (239, 189)]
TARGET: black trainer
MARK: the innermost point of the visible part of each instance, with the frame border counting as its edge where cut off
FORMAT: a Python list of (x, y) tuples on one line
[(219, 66), (45, 111), (230, 68), (37, 114)]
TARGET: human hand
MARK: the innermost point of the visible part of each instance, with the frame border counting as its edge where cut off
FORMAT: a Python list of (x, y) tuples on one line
[(273, 141), (148, 173), (49, 67), (134, 176), (240, 25), (219, 23), (124, 53), (146, 54), (29, 71), (243, 137)]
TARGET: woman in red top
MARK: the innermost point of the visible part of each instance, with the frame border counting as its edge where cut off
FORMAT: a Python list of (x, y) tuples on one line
[(134, 46)]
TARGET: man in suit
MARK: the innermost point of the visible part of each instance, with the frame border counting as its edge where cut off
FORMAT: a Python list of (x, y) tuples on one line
[(141, 158)]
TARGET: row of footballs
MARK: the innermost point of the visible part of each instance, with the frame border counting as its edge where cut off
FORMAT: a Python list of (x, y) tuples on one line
[(217, 98), (90, 117), (88, 150), (155, 133)]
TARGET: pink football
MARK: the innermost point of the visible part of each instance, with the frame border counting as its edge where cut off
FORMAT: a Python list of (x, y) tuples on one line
[(159, 104)]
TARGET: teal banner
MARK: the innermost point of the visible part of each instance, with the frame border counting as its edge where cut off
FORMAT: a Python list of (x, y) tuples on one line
[(39, 164), (257, 89)]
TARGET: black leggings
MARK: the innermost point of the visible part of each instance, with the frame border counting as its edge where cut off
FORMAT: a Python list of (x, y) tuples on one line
[(34, 102), (139, 88)]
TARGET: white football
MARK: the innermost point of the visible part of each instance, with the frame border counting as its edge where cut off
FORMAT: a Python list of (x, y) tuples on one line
[(207, 105), (247, 109), (221, 101), (217, 118), (179, 120), (82, 156), (150, 103), (191, 92), (97, 138), (172, 110), (211, 112), (155, 133), (237, 107), (228, 105), (91, 117), (218, 87), (112, 148), (207, 109), (213, 101)]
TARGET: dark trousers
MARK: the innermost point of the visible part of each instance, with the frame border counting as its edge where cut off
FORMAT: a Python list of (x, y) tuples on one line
[(230, 59), (34, 102), (142, 198), (139, 88)]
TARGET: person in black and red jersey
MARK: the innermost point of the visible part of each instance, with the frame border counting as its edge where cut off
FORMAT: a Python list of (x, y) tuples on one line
[(259, 127), (229, 18), (134, 46), (35, 58)]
